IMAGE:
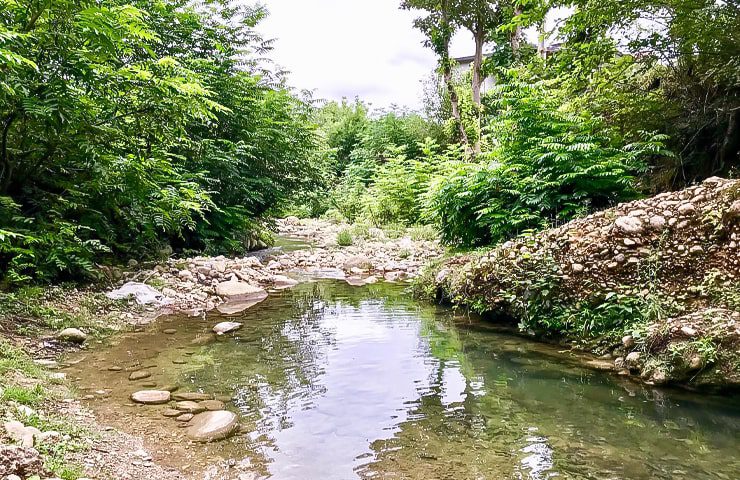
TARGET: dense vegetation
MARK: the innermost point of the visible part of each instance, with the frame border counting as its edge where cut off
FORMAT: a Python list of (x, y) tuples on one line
[(129, 128), (600, 112)]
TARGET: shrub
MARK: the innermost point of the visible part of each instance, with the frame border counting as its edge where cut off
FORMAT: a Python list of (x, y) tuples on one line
[(548, 166)]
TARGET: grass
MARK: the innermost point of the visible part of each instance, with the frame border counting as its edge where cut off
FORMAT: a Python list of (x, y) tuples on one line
[(423, 232), (344, 238), (31, 311)]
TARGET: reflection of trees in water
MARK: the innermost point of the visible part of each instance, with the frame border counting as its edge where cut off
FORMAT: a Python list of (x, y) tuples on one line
[(514, 404), (527, 416)]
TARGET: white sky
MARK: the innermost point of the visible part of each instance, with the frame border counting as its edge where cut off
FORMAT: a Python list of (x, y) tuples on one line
[(348, 48)]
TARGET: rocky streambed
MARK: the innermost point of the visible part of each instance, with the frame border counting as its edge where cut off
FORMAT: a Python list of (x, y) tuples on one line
[(232, 285)]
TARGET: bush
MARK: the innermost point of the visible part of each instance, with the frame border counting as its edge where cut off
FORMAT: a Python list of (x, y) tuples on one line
[(548, 166)]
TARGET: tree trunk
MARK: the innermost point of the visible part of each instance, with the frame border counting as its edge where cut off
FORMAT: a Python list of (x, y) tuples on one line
[(479, 37), (5, 167), (516, 36), (447, 75), (454, 101)]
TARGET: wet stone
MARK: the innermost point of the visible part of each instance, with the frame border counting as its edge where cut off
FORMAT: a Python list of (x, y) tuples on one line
[(192, 396), (212, 405), (190, 407), (212, 426), (140, 375), (151, 397)]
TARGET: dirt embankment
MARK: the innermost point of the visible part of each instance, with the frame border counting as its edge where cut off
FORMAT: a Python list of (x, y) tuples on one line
[(653, 285)]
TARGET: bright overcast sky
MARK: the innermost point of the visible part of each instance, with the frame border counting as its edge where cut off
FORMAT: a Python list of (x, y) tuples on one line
[(353, 48), (348, 48)]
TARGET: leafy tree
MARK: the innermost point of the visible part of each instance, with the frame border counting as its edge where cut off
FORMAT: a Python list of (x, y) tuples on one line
[(684, 58), (127, 125)]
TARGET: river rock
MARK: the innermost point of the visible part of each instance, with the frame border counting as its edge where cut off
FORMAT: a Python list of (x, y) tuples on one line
[(189, 406), (629, 224), (632, 359), (15, 460), (360, 262), (226, 327), (139, 375), (212, 405), (171, 412), (74, 335), (241, 303), (235, 288), (191, 396), (151, 397), (185, 417), (212, 426)]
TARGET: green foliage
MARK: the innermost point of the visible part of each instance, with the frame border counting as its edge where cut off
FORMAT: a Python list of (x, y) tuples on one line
[(671, 71), (344, 238), (548, 166), (130, 124)]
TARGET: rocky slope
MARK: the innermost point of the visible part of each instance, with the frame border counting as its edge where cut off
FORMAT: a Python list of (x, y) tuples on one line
[(653, 285)]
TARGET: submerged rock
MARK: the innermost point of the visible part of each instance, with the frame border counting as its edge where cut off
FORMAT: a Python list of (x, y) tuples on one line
[(188, 406), (212, 426), (151, 397), (226, 327), (191, 396)]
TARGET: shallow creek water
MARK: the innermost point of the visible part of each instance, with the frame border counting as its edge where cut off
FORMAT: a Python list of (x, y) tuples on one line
[(335, 382)]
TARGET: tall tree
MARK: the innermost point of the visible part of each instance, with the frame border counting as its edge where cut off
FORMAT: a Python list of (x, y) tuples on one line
[(439, 26)]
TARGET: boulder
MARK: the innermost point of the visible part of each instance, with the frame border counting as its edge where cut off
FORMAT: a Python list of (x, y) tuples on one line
[(242, 303), (281, 282), (236, 288), (151, 397), (74, 335), (20, 433), (226, 327), (212, 426)]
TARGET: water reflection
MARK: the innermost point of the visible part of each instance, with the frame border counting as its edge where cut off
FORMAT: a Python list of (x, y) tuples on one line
[(337, 382)]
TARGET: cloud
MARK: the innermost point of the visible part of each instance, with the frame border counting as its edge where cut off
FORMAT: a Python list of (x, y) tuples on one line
[(344, 48)]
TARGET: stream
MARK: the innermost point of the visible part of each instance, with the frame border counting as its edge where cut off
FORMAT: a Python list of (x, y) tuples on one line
[(336, 382)]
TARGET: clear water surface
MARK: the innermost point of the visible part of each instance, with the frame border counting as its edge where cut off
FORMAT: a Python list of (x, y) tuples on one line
[(335, 382)]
